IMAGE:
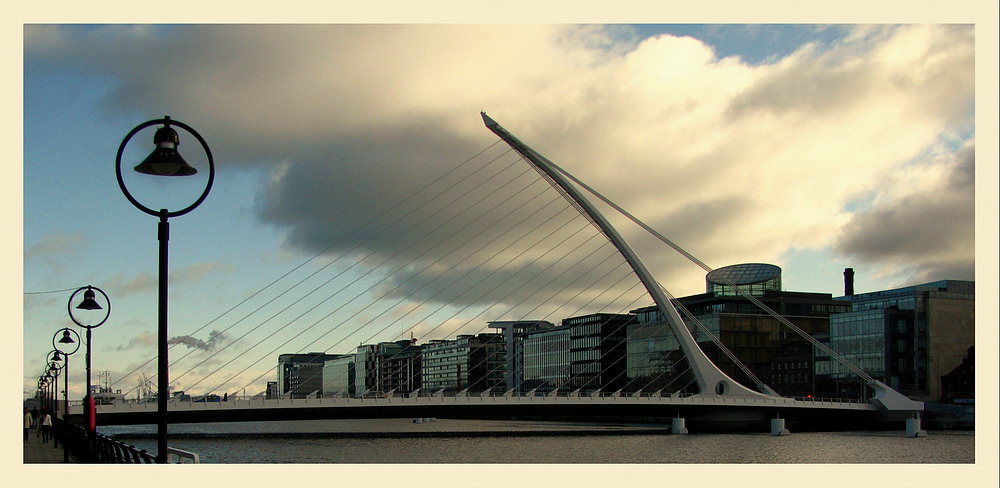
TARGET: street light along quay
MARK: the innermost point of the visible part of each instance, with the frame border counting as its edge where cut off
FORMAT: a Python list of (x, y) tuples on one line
[(165, 160), (56, 365), (89, 304), (65, 345)]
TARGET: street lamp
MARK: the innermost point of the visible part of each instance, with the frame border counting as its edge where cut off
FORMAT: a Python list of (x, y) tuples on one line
[(56, 366), (89, 304), (165, 160), (66, 345)]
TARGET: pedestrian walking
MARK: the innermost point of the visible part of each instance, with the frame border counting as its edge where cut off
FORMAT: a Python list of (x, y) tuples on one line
[(34, 417), (28, 420), (45, 425)]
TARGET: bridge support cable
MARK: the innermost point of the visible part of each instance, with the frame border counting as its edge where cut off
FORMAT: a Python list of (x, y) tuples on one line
[(569, 300), (545, 285), (486, 360), (429, 249), (472, 286), (364, 227), (711, 380), (531, 279), (536, 259)]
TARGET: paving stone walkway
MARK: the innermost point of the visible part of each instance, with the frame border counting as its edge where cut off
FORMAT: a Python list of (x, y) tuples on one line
[(35, 451)]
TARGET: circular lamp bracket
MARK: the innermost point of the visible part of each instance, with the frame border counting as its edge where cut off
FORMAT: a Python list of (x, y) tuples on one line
[(133, 200), (58, 365), (60, 333), (69, 306)]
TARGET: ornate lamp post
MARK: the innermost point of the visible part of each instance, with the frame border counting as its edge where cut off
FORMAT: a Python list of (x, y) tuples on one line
[(64, 343), (164, 161), (55, 367), (89, 304)]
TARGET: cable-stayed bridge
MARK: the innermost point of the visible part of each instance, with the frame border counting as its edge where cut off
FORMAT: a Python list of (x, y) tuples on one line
[(506, 235)]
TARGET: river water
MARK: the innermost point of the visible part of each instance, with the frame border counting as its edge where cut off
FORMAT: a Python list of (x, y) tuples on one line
[(401, 441)]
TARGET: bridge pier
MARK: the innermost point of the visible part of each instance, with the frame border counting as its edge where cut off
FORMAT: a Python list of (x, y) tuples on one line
[(913, 428), (778, 427), (677, 426)]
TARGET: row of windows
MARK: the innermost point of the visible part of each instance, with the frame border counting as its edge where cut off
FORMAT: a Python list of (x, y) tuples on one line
[(585, 343), (590, 355)]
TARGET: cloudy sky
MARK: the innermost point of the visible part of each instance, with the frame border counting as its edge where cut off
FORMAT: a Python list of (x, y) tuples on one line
[(813, 147)]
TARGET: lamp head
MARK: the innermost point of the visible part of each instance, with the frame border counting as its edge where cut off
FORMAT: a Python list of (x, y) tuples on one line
[(89, 303), (165, 160), (67, 338)]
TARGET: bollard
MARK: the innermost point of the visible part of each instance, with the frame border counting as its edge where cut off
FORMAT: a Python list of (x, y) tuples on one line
[(677, 426)]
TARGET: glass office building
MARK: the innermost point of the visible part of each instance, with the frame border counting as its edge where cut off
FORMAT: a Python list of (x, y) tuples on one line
[(907, 338), (547, 360), (472, 363), (751, 334), (338, 377), (301, 375)]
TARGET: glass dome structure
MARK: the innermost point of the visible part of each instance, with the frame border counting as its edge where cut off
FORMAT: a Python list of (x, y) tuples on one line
[(754, 278)]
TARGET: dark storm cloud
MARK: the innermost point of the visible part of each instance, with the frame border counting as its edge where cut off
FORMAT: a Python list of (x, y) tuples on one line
[(328, 195), (931, 233)]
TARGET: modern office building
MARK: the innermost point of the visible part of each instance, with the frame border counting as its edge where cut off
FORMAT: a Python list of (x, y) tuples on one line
[(546, 360), (908, 338), (583, 353), (339, 377), (751, 334), (597, 351), (387, 366), (473, 363), (514, 332), (301, 375)]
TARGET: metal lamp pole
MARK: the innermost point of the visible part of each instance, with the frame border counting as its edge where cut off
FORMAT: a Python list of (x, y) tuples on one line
[(89, 303), (65, 340), (56, 366), (163, 161)]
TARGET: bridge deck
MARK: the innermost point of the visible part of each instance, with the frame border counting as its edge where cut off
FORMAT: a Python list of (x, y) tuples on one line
[(704, 411), (476, 399)]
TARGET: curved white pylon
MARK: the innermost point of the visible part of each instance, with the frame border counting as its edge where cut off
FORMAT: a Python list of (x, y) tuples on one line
[(711, 380)]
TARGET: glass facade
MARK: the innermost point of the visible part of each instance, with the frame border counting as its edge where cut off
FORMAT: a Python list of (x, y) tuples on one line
[(754, 337), (338, 377), (547, 360), (597, 351), (907, 338), (301, 375), (860, 338), (387, 366), (652, 365), (473, 363)]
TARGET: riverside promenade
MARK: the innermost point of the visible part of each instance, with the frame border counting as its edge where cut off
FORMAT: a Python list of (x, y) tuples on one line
[(35, 452)]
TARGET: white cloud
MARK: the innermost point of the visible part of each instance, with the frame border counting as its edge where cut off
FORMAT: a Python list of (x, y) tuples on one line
[(736, 162)]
